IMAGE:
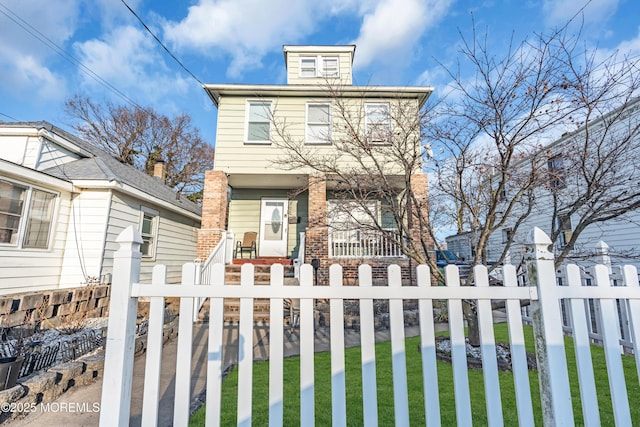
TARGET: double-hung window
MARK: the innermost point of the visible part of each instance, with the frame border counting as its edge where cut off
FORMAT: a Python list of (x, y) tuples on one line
[(377, 123), (149, 232), (319, 66), (318, 123), (555, 167), (258, 122), (565, 229), (26, 215)]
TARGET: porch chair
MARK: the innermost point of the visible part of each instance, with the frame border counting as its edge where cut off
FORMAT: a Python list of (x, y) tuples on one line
[(292, 311), (248, 243)]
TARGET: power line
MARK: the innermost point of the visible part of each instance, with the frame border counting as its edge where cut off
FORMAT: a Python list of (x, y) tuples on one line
[(8, 116), (60, 51), (160, 43)]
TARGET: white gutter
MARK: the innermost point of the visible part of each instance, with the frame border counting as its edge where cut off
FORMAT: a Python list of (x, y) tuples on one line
[(132, 191), (33, 176)]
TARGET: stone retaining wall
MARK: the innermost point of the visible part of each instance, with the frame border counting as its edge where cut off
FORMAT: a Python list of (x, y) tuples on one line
[(45, 387), (43, 306)]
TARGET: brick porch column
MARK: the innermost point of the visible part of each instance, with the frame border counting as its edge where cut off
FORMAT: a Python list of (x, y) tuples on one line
[(317, 237), (214, 212), (419, 215)]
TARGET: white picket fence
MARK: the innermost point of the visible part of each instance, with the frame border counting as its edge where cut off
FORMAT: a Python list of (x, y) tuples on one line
[(545, 299)]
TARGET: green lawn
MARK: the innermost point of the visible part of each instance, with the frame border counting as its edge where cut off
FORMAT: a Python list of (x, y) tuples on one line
[(414, 375)]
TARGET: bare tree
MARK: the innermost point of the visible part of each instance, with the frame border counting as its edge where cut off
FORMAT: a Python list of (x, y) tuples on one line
[(140, 137), (369, 168)]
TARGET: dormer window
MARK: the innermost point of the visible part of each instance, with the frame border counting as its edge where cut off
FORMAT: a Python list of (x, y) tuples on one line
[(319, 66)]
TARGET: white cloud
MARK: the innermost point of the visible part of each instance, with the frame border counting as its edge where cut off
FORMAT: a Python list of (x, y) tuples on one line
[(558, 12), (245, 29), (128, 60), (24, 59), (391, 29)]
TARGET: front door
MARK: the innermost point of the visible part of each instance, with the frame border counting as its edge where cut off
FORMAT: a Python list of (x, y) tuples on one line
[(273, 227)]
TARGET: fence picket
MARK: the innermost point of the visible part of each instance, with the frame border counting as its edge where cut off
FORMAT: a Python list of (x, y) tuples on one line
[(307, 337), (428, 351), (458, 350), (368, 351), (182, 402), (245, 348), (630, 277), (545, 297), (276, 353), (214, 349), (519, 365), (398, 358), (153, 363), (582, 345), (488, 351), (336, 313), (611, 341)]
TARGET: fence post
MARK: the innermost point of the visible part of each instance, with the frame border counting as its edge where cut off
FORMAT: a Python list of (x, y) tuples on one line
[(602, 255), (118, 360), (228, 250), (555, 394)]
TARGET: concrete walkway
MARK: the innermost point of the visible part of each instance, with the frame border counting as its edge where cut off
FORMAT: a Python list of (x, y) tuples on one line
[(81, 407)]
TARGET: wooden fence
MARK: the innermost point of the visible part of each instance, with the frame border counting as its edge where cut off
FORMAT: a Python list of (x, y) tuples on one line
[(544, 294)]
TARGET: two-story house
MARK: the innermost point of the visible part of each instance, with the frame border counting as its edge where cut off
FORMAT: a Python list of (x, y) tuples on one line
[(290, 208)]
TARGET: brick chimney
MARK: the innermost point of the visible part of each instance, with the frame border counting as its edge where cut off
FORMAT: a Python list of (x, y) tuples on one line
[(159, 170)]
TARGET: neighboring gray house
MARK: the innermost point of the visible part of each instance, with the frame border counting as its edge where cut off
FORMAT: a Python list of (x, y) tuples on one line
[(63, 202), (621, 234)]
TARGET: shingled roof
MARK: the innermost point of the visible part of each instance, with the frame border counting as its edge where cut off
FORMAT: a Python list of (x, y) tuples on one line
[(96, 164)]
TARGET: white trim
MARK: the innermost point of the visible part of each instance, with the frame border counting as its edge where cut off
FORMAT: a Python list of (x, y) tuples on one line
[(132, 191), (26, 210), (248, 104), (382, 106), (216, 91), (307, 134), (144, 210), (33, 176), (319, 68)]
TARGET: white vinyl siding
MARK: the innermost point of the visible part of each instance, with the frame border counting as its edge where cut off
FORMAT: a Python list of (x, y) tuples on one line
[(176, 237), (235, 157), (258, 129), (86, 237), (377, 123), (318, 123), (26, 269)]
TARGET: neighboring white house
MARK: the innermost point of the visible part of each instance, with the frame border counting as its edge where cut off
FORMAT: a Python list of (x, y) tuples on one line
[(63, 202), (621, 234)]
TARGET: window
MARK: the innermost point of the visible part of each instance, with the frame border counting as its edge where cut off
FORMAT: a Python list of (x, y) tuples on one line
[(258, 121), (565, 229), (506, 235), (377, 123), (26, 215), (319, 66), (318, 124), (555, 168), (308, 67), (38, 225), (149, 232)]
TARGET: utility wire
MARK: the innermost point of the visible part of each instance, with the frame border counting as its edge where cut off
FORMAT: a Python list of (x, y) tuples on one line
[(60, 51), (160, 43), (12, 118)]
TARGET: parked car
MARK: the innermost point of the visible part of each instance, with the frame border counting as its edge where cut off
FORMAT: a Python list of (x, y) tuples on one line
[(446, 257)]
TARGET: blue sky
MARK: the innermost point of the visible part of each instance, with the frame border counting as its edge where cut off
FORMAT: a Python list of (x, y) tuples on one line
[(398, 42)]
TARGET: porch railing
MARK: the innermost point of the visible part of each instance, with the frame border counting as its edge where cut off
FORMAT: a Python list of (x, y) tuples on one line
[(363, 243), (221, 254)]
